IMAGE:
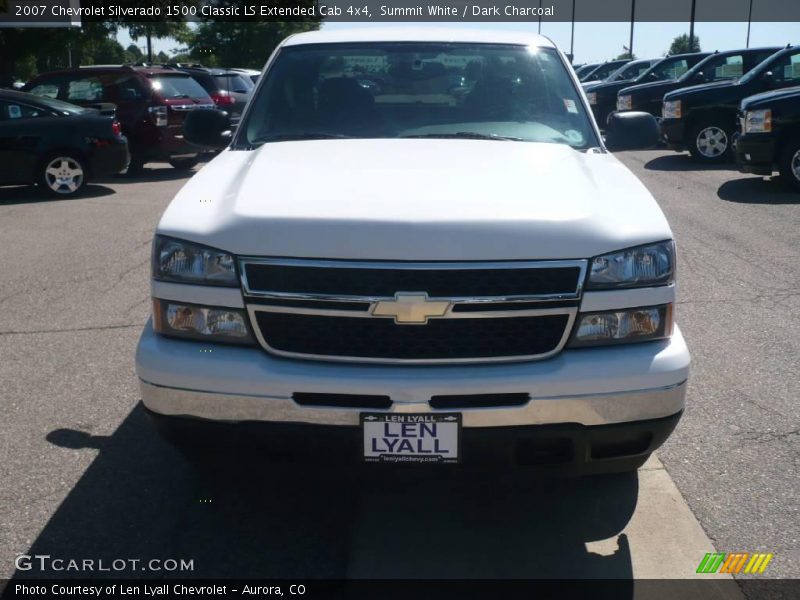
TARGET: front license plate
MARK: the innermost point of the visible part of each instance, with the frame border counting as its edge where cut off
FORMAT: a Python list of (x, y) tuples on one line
[(409, 438)]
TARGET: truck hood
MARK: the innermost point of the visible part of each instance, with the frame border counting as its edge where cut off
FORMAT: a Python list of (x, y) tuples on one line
[(771, 96), (697, 91), (651, 88), (414, 199)]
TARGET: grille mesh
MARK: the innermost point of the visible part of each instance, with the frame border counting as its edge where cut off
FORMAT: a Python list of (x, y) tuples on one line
[(439, 339)]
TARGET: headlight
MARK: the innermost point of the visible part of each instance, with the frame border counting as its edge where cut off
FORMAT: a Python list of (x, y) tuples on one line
[(758, 121), (186, 262), (592, 97), (624, 103), (623, 326), (204, 323), (642, 266), (672, 109)]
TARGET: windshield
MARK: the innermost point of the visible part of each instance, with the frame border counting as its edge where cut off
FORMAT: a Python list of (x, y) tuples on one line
[(172, 86), (396, 90), (62, 107), (629, 71), (784, 65)]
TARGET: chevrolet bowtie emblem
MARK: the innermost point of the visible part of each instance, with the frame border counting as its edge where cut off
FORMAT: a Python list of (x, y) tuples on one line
[(411, 308)]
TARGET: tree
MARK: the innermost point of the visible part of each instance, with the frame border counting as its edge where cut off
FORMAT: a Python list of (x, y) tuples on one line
[(625, 55), (680, 45), (156, 29), (26, 52), (239, 44)]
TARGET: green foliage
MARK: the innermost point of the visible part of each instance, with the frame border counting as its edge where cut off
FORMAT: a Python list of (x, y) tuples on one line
[(246, 45), (626, 55), (680, 45)]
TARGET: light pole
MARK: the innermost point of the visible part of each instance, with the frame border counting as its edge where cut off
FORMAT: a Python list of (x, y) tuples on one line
[(540, 17), (633, 18), (749, 19), (572, 35), (691, 26)]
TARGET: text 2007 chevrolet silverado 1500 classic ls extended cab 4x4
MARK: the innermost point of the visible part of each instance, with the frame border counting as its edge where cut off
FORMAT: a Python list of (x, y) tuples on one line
[(419, 271)]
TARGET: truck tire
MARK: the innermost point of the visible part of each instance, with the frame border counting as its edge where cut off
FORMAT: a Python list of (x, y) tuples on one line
[(789, 166), (710, 142), (184, 164)]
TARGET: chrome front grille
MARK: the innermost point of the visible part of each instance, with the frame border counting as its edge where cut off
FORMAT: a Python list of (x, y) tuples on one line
[(375, 311)]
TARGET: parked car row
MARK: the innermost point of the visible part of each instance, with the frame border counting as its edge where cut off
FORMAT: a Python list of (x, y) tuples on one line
[(738, 104), (151, 102)]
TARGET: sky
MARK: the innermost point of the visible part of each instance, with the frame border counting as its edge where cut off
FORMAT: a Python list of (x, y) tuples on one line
[(596, 42)]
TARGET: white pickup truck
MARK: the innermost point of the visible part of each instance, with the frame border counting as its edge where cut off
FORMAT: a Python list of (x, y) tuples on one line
[(416, 248)]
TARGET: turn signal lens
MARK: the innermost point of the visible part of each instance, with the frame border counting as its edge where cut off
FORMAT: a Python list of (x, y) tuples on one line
[(758, 121), (623, 326), (211, 324), (672, 109)]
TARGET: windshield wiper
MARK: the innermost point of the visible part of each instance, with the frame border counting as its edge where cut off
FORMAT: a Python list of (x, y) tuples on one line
[(304, 135), (467, 135)]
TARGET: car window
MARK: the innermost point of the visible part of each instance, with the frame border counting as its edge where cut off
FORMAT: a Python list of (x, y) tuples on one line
[(788, 68), (603, 71), (716, 68), (64, 107), (629, 71), (13, 111), (85, 89), (176, 86), (669, 69), (393, 90), (233, 83), (124, 88), (48, 90), (776, 62)]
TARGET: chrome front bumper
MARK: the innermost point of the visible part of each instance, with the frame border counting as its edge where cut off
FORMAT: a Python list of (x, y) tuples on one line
[(590, 409), (597, 386)]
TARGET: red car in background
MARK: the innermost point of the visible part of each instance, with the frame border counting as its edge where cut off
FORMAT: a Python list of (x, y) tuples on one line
[(151, 104)]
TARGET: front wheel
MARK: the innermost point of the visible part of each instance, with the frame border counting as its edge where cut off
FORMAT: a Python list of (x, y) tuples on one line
[(711, 142), (789, 166), (62, 175), (184, 164)]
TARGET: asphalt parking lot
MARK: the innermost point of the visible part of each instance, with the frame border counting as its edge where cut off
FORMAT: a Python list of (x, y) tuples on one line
[(85, 476)]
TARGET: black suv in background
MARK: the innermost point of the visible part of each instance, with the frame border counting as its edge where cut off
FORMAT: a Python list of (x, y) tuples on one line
[(582, 70), (603, 96), (769, 135), (229, 90), (648, 97), (604, 70), (702, 118), (151, 104)]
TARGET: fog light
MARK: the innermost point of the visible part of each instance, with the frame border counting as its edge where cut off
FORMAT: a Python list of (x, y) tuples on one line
[(623, 326), (212, 324)]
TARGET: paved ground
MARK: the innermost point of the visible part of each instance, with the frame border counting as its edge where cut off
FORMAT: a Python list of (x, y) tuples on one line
[(85, 477)]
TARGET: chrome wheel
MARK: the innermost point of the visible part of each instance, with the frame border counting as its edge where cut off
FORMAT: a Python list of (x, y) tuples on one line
[(63, 175), (795, 165), (712, 142)]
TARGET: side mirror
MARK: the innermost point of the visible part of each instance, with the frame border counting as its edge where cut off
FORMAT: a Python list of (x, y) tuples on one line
[(209, 127), (631, 130), (768, 78)]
